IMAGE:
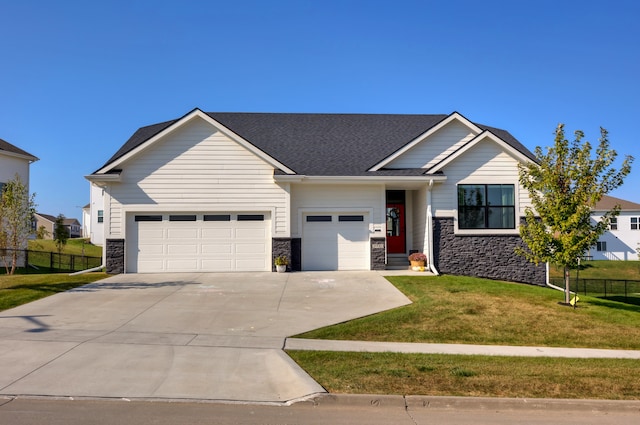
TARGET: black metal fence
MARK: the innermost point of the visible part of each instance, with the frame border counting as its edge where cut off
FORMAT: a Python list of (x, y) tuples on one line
[(48, 262), (624, 290)]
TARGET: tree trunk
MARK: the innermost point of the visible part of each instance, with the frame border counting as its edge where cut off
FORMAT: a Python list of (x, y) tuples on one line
[(567, 285)]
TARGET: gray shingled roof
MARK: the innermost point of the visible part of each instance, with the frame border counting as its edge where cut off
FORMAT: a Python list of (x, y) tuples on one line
[(8, 147), (324, 144)]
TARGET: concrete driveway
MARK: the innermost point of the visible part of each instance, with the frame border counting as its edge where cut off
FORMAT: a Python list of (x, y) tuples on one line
[(198, 336)]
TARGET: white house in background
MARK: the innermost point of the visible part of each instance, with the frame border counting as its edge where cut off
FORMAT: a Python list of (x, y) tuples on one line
[(93, 215), (231, 191), (622, 240), (14, 160)]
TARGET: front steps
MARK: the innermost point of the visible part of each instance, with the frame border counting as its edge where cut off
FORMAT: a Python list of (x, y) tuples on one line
[(398, 262)]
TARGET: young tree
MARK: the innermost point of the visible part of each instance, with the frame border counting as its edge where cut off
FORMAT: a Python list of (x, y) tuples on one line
[(16, 214), (564, 187), (60, 233)]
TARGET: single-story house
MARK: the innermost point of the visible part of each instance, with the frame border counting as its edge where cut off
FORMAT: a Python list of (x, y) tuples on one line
[(622, 240), (231, 191)]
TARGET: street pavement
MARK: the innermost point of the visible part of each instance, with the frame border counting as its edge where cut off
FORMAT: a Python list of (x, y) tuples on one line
[(327, 409)]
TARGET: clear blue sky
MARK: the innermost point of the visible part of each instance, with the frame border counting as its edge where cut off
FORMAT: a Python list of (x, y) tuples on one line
[(77, 78)]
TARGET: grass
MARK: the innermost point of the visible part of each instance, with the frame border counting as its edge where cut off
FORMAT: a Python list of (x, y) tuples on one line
[(450, 309), (73, 247), (472, 376), (20, 289), (454, 309)]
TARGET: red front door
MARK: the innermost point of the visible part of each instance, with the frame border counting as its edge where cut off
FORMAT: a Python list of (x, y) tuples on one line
[(396, 242)]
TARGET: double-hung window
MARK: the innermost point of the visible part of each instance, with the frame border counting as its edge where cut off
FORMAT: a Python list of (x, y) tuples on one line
[(634, 223), (486, 206)]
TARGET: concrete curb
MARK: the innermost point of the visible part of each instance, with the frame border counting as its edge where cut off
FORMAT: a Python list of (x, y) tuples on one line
[(416, 402)]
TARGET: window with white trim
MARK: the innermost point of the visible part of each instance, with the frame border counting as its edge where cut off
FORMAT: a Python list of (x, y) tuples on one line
[(613, 223), (486, 206), (100, 216), (601, 246), (634, 223)]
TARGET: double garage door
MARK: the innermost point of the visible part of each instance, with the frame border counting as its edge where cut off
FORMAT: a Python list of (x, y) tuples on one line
[(338, 241), (211, 242)]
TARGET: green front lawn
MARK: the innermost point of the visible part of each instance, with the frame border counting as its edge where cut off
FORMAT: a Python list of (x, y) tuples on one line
[(453, 309), (472, 376), (23, 288)]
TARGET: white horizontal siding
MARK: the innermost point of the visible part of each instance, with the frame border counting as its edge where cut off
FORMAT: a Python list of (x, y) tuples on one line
[(623, 243), (485, 163), (309, 197), (198, 168), (434, 148), (10, 166), (419, 219)]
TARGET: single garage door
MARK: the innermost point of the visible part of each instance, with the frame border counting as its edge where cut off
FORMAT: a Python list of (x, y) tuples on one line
[(335, 242), (215, 242)]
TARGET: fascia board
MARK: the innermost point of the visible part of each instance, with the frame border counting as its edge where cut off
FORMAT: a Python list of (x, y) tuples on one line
[(182, 121), (485, 134), (454, 116), (29, 158), (103, 178)]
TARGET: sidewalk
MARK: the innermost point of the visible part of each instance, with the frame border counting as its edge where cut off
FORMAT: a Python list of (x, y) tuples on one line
[(485, 350)]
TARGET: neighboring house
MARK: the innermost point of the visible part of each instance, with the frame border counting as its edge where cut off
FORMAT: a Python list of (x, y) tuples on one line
[(94, 222), (230, 191), (74, 227), (86, 221), (14, 160), (49, 221), (622, 240)]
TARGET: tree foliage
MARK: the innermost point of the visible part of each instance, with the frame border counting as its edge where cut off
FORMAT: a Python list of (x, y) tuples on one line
[(16, 214), (60, 233), (564, 187)]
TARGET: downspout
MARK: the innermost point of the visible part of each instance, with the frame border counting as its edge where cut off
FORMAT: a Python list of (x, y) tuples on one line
[(429, 226), (95, 269)]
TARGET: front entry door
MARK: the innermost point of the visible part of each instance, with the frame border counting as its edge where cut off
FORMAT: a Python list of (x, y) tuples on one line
[(396, 240)]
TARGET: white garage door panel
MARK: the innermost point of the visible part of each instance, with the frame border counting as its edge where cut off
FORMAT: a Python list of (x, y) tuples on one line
[(335, 245), (217, 246)]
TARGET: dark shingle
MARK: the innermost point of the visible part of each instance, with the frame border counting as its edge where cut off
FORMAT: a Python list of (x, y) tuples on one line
[(323, 144), (6, 146)]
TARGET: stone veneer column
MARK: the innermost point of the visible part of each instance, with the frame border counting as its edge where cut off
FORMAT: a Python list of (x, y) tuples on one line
[(289, 247), (378, 249), (114, 252), (490, 256)]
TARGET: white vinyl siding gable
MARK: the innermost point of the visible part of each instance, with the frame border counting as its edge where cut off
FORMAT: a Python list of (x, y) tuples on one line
[(434, 148), (485, 163), (198, 168)]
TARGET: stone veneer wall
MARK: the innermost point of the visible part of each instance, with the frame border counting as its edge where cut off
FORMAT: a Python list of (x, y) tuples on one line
[(114, 252), (289, 247), (490, 256), (378, 249)]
